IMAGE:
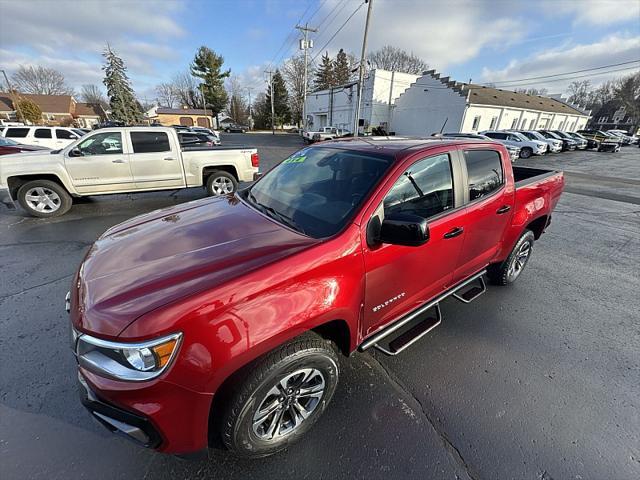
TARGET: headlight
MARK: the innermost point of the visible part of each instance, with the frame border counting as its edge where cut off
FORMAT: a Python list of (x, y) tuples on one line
[(134, 362)]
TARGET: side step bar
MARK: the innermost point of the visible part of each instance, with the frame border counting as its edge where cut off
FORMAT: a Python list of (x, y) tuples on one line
[(410, 328)]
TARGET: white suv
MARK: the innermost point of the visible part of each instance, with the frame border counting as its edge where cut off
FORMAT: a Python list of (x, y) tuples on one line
[(50, 137)]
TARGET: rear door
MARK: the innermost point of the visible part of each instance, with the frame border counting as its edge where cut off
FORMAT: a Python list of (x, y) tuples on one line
[(155, 160), (43, 137), (398, 278), (489, 205), (100, 163)]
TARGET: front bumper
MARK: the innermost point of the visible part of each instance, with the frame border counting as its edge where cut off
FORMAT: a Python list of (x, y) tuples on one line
[(134, 427)]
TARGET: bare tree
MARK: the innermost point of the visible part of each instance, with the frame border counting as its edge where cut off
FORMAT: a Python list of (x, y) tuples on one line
[(238, 106), (167, 94), (627, 90), (397, 59), (601, 95), (40, 80), (93, 94), (293, 72), (186, 89), (579, 92)]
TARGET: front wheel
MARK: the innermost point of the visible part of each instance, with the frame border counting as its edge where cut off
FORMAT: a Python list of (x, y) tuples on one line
[(507, 272), (281, 398), (526, 152), (44, 198), (220, 182)]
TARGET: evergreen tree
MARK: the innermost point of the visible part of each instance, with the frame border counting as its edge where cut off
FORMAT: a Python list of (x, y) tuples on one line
[(341, 69), (207, 65), (122, 99), (324, 74), (30, 111), (280, 99)]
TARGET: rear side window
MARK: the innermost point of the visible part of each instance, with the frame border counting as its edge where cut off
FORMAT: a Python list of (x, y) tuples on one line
[(17, 132), (150, 142), (484, 171), (425, 189), (42, 133), (65, 134)]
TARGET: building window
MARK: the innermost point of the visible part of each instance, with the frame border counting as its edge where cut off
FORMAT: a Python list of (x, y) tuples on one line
[(602, 120), (494, 120), (532, 124), (514, 124), (476, 123), (186, 121)]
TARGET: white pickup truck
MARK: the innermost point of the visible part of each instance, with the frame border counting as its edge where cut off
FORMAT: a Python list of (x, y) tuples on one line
[(325, 133), (120, 160)]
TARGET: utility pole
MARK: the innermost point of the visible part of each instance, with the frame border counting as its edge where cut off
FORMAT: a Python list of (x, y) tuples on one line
[(250, 112), (305, 44), (273, 112), (13, 94), (361, 74), (204, 102)]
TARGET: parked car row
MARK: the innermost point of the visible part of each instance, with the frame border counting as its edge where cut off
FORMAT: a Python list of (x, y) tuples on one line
[(39, 136)]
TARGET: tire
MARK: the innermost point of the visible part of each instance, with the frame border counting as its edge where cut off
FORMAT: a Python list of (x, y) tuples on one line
[(526, 152), (44, 198), (220, 182), (509, 271), (275, 382)]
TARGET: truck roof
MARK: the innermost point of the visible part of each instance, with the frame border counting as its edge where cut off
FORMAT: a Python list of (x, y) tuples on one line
[(398, 145)]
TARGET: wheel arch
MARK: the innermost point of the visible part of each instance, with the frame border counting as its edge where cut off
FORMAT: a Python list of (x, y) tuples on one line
[(538, 225), (208, 170), (16, 181)]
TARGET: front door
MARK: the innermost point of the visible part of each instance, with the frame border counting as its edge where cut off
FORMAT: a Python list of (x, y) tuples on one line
[(489, 208), (398, 278), (99, 164), (154, 163)]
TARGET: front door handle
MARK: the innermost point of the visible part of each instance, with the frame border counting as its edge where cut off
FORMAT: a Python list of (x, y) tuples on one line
[(117, 161), (503, 209), (168, 159), (454, 233)]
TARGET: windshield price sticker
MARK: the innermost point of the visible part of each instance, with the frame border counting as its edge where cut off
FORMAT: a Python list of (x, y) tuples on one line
[(298, 157)]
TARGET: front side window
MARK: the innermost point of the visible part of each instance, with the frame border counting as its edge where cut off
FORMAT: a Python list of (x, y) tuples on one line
[(150, 142), (107, 143), (318, 189), (425, 189), (42, 133), (65, 134), (484, 171)]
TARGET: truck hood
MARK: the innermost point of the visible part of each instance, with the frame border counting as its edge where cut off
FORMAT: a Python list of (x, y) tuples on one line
[(166, 255), (39, 155)]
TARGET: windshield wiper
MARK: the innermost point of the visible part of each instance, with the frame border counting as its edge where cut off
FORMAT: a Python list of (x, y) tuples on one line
[(273, 213)]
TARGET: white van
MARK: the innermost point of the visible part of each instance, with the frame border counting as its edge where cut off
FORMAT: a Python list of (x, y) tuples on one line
[(50, 137)]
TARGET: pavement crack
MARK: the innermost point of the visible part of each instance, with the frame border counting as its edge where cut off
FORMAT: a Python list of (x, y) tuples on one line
[(444, 438), (34, 287)]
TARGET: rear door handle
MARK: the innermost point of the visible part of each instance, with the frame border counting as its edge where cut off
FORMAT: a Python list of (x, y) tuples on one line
[(117, 161), (454, 233), (503, 209), (168, 159)]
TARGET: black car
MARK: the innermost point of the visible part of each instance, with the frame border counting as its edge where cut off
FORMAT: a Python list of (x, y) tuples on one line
[(581, 144), (591, 143), (567, 144), (235, 128), (108, 124)]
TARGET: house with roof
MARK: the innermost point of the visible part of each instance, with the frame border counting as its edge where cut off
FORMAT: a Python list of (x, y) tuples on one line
[(56, 109), (434, 103), (188, 117), (612, 115)]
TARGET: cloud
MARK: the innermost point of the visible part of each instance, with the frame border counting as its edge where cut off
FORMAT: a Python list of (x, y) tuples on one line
[(596, 12), (612, 49), (442, 33), (70, 36)]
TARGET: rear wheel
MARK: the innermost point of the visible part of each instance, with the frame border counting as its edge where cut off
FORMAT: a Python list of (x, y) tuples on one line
[(220, 182), (44, 198), (281, 398), (508, 271), (526, 152)]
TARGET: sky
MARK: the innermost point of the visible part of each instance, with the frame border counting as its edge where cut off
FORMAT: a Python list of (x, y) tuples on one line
[(482, 40)]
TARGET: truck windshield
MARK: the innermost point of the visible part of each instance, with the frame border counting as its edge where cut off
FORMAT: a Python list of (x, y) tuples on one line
[(318, 189)]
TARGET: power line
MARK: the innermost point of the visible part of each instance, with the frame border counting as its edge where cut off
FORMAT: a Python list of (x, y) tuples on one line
[(337, 31)]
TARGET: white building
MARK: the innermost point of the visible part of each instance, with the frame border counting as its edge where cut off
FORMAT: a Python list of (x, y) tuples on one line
[(433, 103), (336, 106)]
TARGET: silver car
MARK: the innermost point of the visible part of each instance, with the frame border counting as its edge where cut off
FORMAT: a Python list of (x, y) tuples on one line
[(514, 152), (527, 147), (555, 146)]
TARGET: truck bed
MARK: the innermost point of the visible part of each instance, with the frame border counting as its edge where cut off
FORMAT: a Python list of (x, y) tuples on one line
[(526, 175)]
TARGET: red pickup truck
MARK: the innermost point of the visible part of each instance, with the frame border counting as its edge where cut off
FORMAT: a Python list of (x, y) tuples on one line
[(223, 318)]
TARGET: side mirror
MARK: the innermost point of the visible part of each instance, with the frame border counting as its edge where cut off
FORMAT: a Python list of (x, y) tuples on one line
[(399, 229), (75, 152)]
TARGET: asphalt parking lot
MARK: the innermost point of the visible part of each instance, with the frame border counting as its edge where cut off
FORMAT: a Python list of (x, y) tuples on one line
[(540, 380)]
